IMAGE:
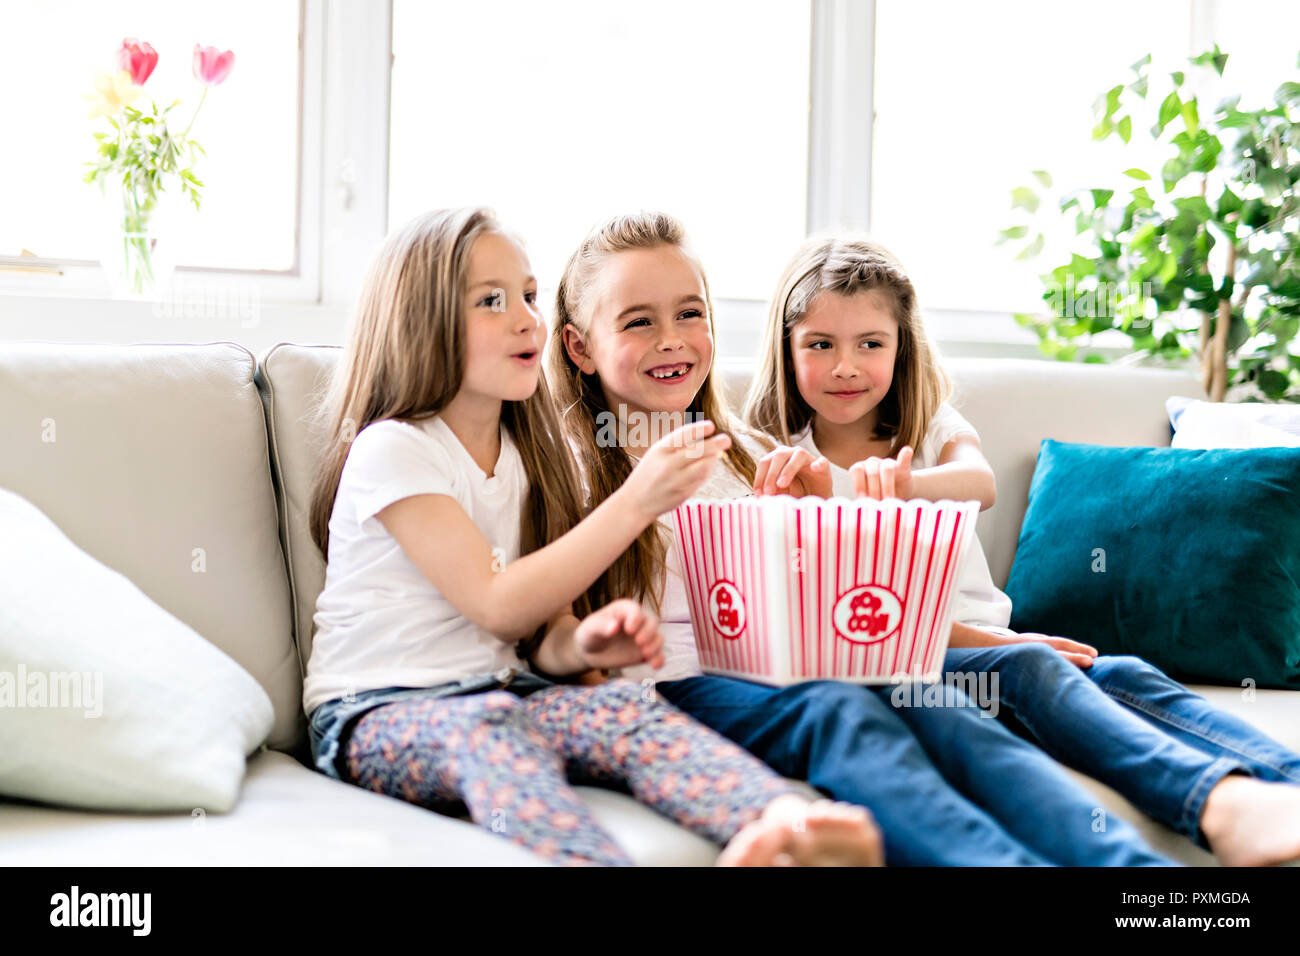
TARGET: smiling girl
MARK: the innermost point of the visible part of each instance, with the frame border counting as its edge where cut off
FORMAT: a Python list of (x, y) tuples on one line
[(633, 335), (848, 380), (451, 527)]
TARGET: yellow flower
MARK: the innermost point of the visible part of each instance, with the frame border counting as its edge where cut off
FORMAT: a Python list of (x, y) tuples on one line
[(113, 92)]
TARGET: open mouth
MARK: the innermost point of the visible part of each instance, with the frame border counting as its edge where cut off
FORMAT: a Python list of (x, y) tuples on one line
[(526, 358), (670, 373)]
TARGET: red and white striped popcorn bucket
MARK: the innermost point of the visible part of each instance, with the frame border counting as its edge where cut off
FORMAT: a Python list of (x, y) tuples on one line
[(785, 589)]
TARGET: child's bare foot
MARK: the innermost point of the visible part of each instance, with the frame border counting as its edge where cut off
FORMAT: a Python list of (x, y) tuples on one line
[(1252, 822), (796, 832)]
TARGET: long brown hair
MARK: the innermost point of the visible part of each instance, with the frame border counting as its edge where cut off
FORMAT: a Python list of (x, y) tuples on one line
[(846, 265), (639, 571), (405, 359)]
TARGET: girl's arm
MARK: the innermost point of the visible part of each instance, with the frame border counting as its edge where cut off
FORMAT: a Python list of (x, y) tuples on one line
[(511, 603), (1073, 651), (962, 474), (620, 634)]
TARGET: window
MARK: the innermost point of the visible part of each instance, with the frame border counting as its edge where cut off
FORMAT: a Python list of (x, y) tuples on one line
[(559, 115), (249, 126), (969, 99)]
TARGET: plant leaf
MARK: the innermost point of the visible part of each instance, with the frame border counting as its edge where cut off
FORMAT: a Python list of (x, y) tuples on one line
[(1022, 197), (1169, 108)]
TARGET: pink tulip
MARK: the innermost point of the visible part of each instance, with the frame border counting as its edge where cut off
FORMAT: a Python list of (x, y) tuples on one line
[(138, 59), (211, 66)]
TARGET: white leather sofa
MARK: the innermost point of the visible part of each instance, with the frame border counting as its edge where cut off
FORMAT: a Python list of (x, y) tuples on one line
[(167, 448)]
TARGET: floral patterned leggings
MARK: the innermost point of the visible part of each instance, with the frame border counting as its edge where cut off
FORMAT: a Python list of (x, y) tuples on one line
[(507, 758)]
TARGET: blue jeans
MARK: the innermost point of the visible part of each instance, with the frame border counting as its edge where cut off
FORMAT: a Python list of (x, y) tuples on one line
[(947, 786), (1130, 726)]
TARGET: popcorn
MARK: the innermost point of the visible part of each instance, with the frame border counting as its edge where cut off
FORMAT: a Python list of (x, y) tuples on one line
[(783, 590)]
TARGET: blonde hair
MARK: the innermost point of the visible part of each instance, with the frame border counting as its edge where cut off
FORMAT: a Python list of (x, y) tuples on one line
[(405, 359), (846, 265), (638, 572)]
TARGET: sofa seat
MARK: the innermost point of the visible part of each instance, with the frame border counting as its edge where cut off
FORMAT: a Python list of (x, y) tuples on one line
[(290, 815)]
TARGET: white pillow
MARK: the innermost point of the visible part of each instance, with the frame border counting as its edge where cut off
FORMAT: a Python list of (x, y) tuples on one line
[(1233, 424), (150, 716)]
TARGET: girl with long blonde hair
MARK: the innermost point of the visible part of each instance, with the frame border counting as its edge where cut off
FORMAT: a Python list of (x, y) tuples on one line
[(450, 518), (849, 382)]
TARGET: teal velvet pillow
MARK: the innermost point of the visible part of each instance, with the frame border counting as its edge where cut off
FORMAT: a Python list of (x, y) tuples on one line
[(1188, 558)]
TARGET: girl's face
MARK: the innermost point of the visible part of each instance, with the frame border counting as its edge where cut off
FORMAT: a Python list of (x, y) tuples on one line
[(843, 354), (502, 322), (648, 336)]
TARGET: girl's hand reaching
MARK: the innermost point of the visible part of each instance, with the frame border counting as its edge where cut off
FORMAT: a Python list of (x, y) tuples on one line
[(792, 471), (882, 478), (620, 634), (673, 469)]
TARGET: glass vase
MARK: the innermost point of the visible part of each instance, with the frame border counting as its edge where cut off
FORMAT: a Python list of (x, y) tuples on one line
[(138, 255)]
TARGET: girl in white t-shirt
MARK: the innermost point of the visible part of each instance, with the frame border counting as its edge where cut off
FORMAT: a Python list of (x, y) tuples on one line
[(850, 386), (632, 345), (449, 513)]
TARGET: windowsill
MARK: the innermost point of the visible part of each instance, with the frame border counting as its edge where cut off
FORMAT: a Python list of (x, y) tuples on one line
[(88, 318)]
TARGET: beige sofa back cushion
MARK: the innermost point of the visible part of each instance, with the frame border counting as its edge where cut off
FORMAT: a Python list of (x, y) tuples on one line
[(293, 380), (153, 459), (1014, 404)]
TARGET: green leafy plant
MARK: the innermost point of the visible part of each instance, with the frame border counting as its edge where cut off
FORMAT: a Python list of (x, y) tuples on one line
[(142, 154), (1199, 259)]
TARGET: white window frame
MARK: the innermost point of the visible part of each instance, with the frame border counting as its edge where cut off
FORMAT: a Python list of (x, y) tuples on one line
[(23, 277), (345, 82)]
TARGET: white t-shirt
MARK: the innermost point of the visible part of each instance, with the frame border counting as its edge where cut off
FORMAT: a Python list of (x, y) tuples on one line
[(979, 602), (379, 621)]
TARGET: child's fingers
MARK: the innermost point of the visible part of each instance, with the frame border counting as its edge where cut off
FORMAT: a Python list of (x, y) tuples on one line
[(887, 478), (717, 445), (633, 617), (770, 467), (653, 650), (858, 475), (1073, 647), (710, 449), (775, 463), (796, 464), (648, 629), (872, 466), (688, 434), (905, 458), (1065, 644)]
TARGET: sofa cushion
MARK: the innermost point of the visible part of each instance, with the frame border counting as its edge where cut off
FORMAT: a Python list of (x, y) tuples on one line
[(1188, 558), (109, 701), (293, 380), (288, 815), (153, 460), (1233, 424)]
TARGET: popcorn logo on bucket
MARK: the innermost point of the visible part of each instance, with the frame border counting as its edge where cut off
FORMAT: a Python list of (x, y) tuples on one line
[(867, 614), (727, 609)]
